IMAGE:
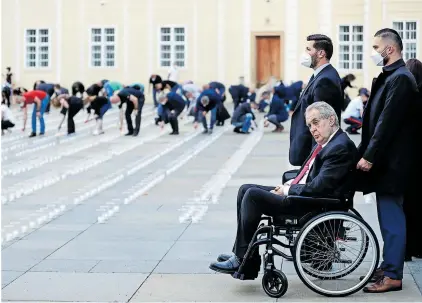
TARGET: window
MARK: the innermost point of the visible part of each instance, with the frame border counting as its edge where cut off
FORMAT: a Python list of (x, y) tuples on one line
[(37, 51), (172, 46), (103, 47), (351, 47), (407, 32)]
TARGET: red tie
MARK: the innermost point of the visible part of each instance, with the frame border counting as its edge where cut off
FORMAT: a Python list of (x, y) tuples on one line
[(306, 167)]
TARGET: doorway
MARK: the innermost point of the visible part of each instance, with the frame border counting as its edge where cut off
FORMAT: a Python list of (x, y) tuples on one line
[(267, 58)]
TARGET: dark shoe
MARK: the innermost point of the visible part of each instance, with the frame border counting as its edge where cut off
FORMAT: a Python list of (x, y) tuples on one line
[(245, 133), (129, 134), (135, 134), (205, 131), (407, 258), (32, 135), (223, 257), (210, 131), (157, 120), (378, 274), (227, 267), (384, 284), (236, 130), (278, 130), (174, 133), (41, 134)]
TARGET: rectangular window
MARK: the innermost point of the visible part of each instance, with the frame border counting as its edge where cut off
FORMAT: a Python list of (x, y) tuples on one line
[(37, 48), (103, 47), (351, 47), (172, 46), (408, 33)]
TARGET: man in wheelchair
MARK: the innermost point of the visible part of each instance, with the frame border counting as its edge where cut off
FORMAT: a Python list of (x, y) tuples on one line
[(325, 174)]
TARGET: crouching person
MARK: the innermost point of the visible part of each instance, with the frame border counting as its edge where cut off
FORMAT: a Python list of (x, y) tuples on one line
[(325, 174), (277, 114), (243, 116), (173, 105)]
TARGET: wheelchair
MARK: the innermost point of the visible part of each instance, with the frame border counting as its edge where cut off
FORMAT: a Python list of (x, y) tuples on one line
[(335, 252)]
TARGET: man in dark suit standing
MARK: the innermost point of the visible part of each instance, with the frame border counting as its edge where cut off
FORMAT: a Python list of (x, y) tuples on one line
[(386, 153), (324, 85), (325, 174)]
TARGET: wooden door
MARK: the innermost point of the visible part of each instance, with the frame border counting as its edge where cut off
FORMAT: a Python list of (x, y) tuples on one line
[(267, 58)]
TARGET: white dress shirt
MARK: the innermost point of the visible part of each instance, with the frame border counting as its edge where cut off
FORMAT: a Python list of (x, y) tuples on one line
[(286, 186)]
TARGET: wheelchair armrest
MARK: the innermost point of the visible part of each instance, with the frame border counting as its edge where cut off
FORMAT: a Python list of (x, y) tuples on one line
[(290, 174), (310, 201)]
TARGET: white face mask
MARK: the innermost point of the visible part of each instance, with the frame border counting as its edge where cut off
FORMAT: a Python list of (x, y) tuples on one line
[(306, 60), (377, 57)]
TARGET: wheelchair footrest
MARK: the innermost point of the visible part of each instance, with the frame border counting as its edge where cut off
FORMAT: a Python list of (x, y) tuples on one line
[(244, 277)]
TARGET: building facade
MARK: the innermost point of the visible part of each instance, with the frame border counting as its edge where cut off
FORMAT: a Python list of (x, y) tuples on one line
[(127, 40)]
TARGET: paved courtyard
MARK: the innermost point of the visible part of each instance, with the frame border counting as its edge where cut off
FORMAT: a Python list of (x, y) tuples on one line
[(117, 219)]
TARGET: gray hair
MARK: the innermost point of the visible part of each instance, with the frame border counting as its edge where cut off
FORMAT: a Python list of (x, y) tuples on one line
[(325, 111), (205, 100)]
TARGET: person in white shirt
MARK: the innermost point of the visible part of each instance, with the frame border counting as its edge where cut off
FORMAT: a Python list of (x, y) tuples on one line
[(353, 114), (173, 73), (6, 118)]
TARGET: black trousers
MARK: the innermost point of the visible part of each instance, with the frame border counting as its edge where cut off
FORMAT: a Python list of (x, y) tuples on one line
[(73, 110), (5, 124), (169, 117), (253, 201), (129, 109)]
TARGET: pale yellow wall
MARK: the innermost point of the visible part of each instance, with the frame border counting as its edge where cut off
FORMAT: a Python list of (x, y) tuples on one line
[(233, 40), (78, 16), (308, 24)]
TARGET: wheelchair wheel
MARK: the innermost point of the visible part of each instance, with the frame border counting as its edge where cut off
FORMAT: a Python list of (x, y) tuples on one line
[(274, 283), (333, 250)]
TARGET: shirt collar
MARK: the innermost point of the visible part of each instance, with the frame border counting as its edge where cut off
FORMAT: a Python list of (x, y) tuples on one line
[(319, 69), (394, 66), (329, 139)]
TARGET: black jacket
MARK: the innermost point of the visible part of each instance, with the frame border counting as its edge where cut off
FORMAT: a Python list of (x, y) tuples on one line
[(326, 87), (332, 173), (389, 121), (175, 102)]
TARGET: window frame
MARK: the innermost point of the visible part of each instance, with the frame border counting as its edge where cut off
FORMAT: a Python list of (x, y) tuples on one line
[(405, 40), (350, 44), (172, 46), (103, 45), (37, 46)]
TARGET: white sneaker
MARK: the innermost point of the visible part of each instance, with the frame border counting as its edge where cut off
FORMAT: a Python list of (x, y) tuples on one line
[(96, 132)]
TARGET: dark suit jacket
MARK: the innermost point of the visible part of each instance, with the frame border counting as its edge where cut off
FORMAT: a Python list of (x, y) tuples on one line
[(389, 121), (326, 86), (332, 173)]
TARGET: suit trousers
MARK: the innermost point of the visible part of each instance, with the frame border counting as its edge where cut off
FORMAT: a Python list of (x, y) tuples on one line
[(393, 230), (253, 201)]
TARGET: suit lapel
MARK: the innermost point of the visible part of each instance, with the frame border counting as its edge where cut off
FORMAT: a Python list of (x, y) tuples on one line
[(310, 83)]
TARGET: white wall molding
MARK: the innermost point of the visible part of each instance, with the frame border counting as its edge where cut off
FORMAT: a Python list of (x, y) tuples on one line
[(150, 11), (59, 33), (247, 40), (291, 33), (325, 17), (195, 40), (220, 41)]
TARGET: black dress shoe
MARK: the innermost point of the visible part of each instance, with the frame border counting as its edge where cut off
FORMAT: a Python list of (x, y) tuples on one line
[(135, 134), (174, 133), (227, 267), (236, 130), (32, 135), (205, 131), (41, 134), (223, 257), (129, 134)]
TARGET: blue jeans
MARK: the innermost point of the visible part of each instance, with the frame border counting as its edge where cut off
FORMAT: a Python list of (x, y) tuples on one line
[(392, 223), (154, 97), (262, 105), (245, 123), (109, 90), (204, 118), (44, 104), (104, 109)]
